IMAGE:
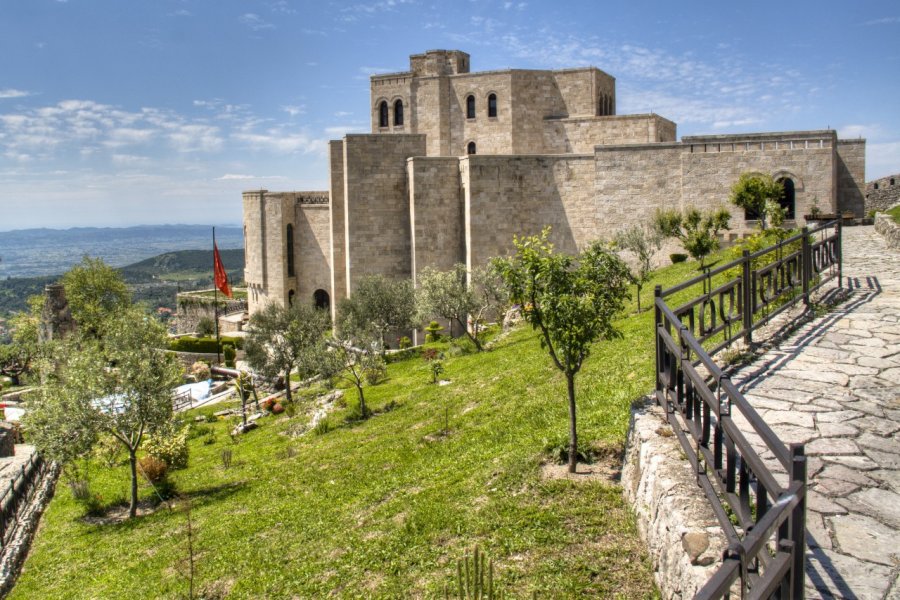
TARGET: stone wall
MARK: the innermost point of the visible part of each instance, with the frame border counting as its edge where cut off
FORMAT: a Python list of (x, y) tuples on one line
[(312, 240), (337, 225), (890, 230), (191, 308), (435, 213), (881, 194), (376, 204), (580, 135), (850, 163)]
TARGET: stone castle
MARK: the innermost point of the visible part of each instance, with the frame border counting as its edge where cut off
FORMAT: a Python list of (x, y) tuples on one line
[(459, 162)]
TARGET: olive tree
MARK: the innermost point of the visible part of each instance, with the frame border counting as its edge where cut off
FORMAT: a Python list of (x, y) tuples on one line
[(758, 194), (697, 231), (282, 339), (461, 296), (118, 382), (643, 242), (571, 300), (94, 290), (353, 364), (378, 306)]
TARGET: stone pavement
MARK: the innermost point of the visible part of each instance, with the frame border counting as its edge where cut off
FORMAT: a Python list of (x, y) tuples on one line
[(834, 385)]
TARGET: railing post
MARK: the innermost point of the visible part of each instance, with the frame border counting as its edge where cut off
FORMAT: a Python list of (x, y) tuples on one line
[(805, 264), (798, 523), (657, 294), (839, 252), (747, 300)]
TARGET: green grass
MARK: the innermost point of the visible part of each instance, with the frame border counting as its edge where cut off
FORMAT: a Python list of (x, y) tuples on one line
[(384, 507), (895, 213)]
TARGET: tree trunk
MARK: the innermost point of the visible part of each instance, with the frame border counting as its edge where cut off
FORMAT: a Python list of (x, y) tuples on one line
[(573, 431), (132, 459), (287, 386), (639, 298), (362, 401)]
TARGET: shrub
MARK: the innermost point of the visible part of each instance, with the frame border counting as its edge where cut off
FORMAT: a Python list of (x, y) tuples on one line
[(200, 371), (433, 332), (678, 258), (206, 326), (268, 404), (226, 458), (322, 427), (376, 372), (277, 408), (169, 447), (202, 344), (109, 450), (404, 342), (229, 353), (153, 469)]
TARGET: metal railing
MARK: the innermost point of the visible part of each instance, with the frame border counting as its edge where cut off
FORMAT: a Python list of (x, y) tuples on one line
[(763, 518), (19, 490)]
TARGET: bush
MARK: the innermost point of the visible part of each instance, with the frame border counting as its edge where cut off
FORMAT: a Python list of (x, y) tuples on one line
[(433, 332), (153, 469), (678, 258), (202, 344), (206, 326), (404, 343), (171, 448), (230, 354), (376, 373), (277, 408), (200, 371)]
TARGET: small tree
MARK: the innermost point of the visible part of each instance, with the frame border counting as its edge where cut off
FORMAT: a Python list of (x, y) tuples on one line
[(17, 357), (378, 306), (351, 363), (757, 194), (643, 242), (94, 290), (571, 301), (282, 339), (447, 294), (698, 232), (119, 383)]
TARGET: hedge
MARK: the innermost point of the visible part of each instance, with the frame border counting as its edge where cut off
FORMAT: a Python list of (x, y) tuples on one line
[(203, 344)]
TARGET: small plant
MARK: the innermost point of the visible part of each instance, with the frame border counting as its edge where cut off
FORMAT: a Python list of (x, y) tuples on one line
[(226, 458), (376, 372), (433, 332), (268, 404), (474, 579), (404, 342), (322, 427), (678, 258), (154, 469), (81, 489), (200, 371), (169, 447), (437, 368), (435, 362), (229, 353), (814, 210), (206, 326)]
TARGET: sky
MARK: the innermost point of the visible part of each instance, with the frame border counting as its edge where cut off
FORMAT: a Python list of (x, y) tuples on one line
[(126, 112)]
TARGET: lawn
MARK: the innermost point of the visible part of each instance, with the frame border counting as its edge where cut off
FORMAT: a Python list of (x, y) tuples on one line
[(384, 507)]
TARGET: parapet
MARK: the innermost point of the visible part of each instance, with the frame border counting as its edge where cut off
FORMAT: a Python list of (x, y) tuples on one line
[(439, 62)]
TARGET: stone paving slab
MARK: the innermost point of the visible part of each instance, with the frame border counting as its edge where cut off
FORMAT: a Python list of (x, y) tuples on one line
[(835, 385)]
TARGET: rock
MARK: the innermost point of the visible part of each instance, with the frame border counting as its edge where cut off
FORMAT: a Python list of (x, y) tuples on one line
[(241, 428), (695, 543), (512, 318)]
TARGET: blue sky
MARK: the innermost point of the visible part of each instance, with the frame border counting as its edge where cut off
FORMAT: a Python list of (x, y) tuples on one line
[(123, 112)]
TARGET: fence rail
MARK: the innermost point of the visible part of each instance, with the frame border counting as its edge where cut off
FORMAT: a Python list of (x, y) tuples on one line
[(762, 515), (20, 489)]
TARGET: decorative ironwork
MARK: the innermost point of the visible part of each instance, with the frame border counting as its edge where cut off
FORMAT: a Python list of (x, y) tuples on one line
[(763, 515)]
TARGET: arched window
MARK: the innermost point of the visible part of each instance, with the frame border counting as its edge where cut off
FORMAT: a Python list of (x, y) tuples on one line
[(492, 105), (876, 185), (320, 297), (290, 298), (398, 112), (787, 201), (383, 114), (470, 149), (289, 249), (892, 181), (470, 107)]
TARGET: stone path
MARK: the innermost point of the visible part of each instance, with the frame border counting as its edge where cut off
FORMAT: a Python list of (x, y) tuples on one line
[(835, 386)]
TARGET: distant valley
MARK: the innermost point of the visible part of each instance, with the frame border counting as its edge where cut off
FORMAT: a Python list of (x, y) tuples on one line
[(36, 252)]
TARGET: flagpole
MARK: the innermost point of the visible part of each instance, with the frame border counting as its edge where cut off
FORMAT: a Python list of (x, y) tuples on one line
[(216, 303)]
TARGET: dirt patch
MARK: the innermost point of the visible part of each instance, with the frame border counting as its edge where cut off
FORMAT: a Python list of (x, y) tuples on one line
[(607, 471), (119, 514)]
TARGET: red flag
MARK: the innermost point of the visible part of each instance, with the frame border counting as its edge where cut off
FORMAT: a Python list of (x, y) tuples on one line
[(221, 277)]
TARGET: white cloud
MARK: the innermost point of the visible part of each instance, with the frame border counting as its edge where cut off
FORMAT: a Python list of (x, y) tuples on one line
[(339, 131), (858, 131), (10, 93), (294, 110), (235, 176), (882, 159), (883, 21), (255, 22)]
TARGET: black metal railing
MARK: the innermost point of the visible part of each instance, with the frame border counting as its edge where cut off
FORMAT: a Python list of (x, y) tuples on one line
[(762, 512), (19, 489)]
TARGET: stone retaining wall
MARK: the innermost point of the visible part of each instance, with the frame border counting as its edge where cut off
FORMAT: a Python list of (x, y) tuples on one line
[(888, 229), (674, 518)]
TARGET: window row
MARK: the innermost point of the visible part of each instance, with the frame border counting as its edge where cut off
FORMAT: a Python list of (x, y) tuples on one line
[(491, 106), (383, 117)]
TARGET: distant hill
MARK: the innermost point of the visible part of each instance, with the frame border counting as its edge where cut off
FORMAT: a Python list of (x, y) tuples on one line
[(154, 281), (34, 252)]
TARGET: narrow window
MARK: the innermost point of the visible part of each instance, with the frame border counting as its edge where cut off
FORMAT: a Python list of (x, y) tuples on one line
[(470, 149), (398, 112), (787, 201), (383, 114), (876, 186), (470, 107), (492, 105), (892, 181), (290, 250)]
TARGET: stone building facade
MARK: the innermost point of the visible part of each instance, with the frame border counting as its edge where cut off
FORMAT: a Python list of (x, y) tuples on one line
[(459, 162)]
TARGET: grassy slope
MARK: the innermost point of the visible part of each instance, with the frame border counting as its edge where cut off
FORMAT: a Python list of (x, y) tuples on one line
[(895, 214), (380, 508)]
